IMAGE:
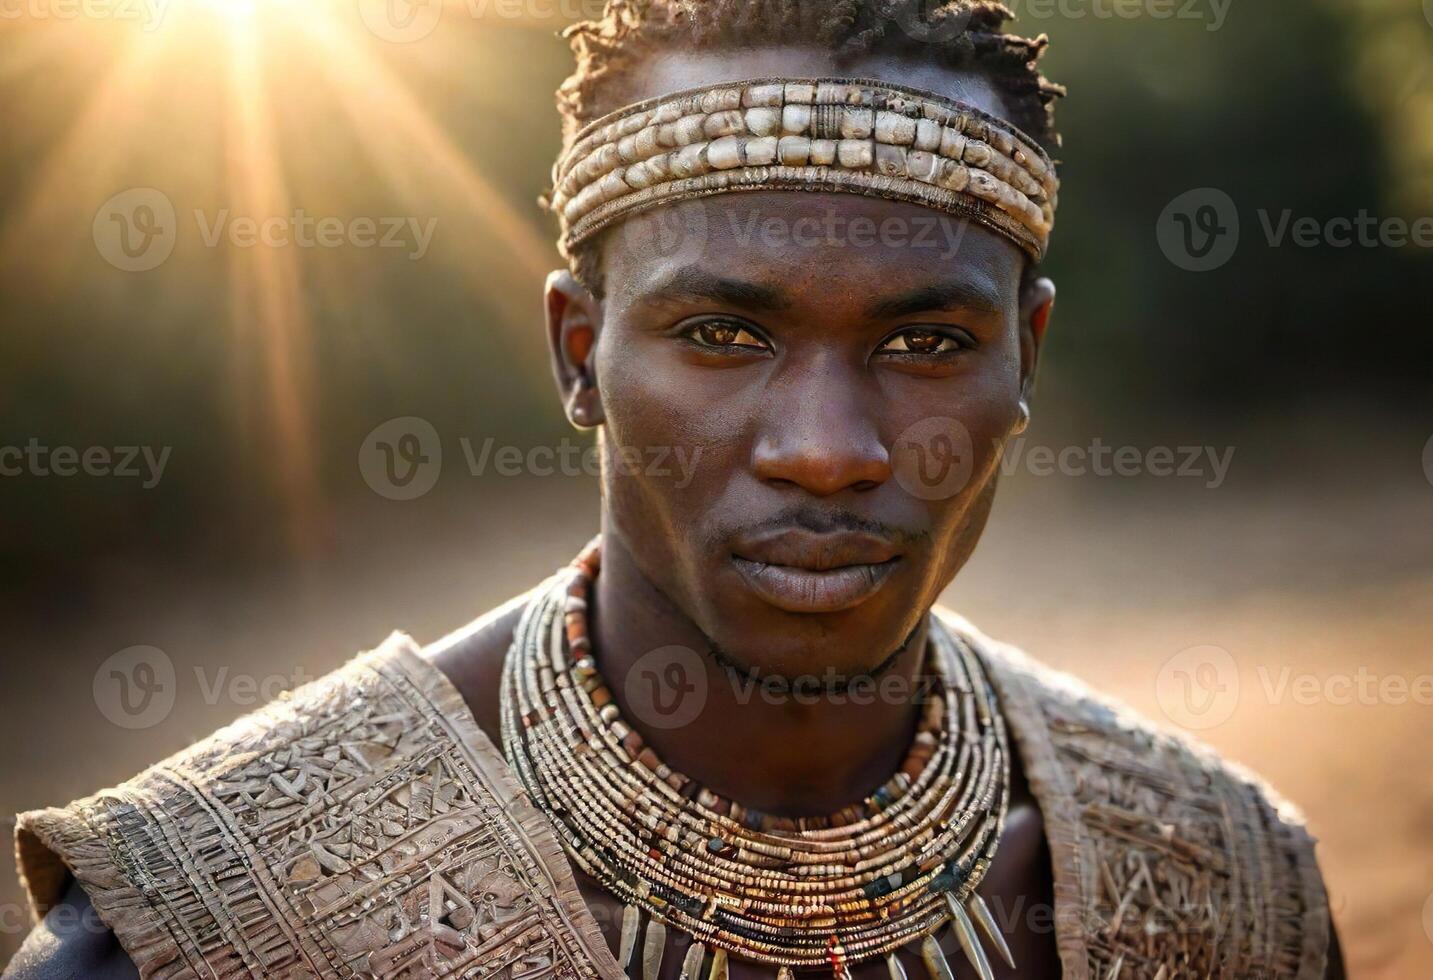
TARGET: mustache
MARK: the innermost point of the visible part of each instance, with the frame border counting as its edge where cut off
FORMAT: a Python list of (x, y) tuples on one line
[(823, 520)]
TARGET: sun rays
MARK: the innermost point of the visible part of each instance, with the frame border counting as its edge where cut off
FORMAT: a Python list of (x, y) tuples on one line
[(234, 111)]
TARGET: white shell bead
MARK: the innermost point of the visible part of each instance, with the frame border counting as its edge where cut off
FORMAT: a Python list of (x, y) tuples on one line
[(760, 151), (689, 160), (763, 95), (922, 165), (855, 154), (952, 143), (725, 153), (725, 123), (927, 134), (722, 98), (977, 154), (763, 121), (689, 129), (953, 176), (794, 151), (892, 127), (857, 123), (796, 119), (891, 160)]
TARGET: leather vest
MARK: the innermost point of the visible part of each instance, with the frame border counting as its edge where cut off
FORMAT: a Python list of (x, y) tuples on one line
[(364, 826)]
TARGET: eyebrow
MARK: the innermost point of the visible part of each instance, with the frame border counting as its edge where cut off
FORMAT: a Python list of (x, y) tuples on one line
[(690, 282), (928, 299)]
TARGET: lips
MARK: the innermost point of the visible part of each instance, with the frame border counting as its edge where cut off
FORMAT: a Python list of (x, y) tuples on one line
[(803, 572)]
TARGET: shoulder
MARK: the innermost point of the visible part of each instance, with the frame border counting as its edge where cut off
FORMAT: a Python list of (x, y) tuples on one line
[(473, 656), (307, 789), (1138, 815)]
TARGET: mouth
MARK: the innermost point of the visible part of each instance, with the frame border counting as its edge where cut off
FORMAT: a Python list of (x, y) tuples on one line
[(800, 572)]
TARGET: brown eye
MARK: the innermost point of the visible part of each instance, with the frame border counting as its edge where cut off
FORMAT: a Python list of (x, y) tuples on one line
[(920, 341), (719, 334), (725, 333), (923, 341)]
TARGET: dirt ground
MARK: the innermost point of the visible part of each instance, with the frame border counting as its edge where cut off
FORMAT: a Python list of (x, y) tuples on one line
[(1109, 582)]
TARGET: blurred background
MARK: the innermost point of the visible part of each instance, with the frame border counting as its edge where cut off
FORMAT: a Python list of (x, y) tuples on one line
[(215, 388)]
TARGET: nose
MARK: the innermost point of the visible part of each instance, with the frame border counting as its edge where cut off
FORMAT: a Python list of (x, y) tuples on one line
[(822, 437)]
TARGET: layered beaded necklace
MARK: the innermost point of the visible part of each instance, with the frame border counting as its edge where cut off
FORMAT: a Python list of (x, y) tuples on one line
[(813, 892)]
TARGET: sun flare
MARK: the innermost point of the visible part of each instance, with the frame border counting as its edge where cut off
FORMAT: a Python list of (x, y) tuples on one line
[(287, 115)]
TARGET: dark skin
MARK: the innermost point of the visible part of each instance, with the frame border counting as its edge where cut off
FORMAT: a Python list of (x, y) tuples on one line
[(789, 372)]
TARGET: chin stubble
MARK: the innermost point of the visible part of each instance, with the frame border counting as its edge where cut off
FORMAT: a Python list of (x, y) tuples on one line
[(829, 684)]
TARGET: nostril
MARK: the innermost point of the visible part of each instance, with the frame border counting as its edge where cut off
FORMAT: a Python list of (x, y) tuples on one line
[(864, 485)]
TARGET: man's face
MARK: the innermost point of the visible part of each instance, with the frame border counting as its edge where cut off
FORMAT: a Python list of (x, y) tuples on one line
[(840, 374)]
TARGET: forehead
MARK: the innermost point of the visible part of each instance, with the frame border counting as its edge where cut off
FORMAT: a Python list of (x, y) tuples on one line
[(838, 251)]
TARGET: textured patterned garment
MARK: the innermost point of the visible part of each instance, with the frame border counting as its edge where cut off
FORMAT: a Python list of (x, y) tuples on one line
[(365, 827)]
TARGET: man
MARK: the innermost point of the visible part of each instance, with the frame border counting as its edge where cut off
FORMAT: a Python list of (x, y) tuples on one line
[(731, 740)]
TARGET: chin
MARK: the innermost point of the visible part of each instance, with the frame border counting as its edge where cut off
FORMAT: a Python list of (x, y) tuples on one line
[(777, 644)]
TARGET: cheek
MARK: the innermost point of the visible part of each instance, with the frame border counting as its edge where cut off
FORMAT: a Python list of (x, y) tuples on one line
[(947, 439), (989, 404), (651, 403), (654, 396), (672, 439)]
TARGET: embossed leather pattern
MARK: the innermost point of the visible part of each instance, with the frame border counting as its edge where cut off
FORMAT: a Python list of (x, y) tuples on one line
[(1169, 862), (363, 827)]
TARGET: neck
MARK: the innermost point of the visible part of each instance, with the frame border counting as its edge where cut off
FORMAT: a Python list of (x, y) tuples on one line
[(805, 753)]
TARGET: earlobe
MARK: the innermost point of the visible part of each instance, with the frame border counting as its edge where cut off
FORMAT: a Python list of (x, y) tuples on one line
[(573, 324)]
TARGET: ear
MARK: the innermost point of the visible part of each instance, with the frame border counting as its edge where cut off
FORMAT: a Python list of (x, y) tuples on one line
[(1037, 302), (574, 319)]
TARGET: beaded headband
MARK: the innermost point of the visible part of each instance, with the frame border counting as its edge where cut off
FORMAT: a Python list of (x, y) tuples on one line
[(854, 136)]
